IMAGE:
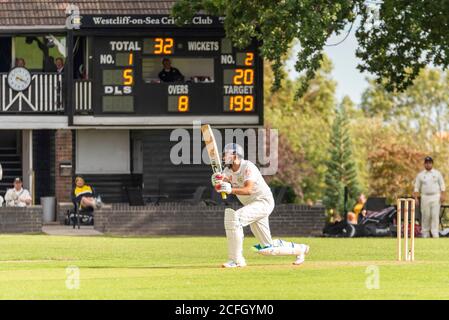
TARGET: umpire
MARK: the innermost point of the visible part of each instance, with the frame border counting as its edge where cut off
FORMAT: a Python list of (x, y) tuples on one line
[(430, 185)]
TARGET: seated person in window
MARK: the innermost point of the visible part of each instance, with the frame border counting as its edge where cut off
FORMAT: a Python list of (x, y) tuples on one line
[(84, 195), (169, 73), (17, 196), (59, 65), (20, 62)]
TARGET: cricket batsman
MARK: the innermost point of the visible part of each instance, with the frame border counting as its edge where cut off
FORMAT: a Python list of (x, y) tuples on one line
[(242, 178)]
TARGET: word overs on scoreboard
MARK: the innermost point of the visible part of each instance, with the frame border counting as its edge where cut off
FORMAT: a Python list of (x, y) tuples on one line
[(178, 98)]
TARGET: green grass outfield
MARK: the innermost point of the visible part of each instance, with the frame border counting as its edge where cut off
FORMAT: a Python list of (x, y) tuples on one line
[(34, 267)]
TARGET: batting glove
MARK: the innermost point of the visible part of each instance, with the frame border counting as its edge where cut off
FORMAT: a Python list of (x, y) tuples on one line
[(217, 178), (224, 187)]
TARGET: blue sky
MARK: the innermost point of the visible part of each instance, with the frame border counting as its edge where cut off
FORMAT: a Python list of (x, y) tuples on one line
[(350, 81)]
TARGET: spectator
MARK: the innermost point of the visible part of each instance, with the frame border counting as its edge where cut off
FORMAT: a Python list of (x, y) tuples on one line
[(1, 201), (49, 64), (84, 195), (353, 217), (18, 196), (59, 62), (168, 73), (20, 62)]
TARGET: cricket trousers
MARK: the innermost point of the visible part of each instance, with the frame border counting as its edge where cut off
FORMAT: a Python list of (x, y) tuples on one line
[(256, 215), (430, 215)]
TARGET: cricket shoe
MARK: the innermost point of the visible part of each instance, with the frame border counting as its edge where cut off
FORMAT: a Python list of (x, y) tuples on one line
[(98, 203), (233, 264), (302, 257)]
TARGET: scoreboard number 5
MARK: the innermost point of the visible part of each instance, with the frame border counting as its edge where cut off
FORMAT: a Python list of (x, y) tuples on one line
[(128, 78)]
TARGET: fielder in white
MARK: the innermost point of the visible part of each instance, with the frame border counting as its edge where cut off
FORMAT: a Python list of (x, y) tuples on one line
[(430, 185), (242, 178)]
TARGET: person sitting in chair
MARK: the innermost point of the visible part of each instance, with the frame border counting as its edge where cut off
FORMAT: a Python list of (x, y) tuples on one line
[(353, 217), (18, 196), (84, 195), (169, 73)]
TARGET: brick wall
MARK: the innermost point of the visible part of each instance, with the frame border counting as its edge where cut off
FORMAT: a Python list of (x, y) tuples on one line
[(61, 212), (21, 220), (182, 219), (63, 153)]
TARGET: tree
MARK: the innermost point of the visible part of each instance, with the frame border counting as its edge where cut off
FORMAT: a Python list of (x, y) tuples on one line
[(304, 129), (397, 38), (423, 109), (400, 129), (394, 162), (341, 168)]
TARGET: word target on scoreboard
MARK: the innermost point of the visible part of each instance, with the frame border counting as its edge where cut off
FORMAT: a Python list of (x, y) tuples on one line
[(164, 75)]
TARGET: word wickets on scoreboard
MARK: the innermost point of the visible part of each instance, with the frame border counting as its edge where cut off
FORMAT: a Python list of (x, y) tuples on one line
[(165, 75)]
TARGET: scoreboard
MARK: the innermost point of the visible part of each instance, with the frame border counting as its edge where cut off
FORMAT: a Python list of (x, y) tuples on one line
[(175, 75)]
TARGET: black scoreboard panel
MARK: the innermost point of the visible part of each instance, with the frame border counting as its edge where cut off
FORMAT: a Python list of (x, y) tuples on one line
[(203, 76)]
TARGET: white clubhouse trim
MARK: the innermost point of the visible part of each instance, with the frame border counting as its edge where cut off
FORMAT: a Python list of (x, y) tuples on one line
[(164, 120), (33, 122)]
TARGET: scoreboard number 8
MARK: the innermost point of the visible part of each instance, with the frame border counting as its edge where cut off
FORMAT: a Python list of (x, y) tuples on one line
[(178, 104), (183, 103)]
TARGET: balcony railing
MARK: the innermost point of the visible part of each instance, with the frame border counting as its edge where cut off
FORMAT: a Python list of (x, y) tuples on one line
[(44, 95), (83, 96)]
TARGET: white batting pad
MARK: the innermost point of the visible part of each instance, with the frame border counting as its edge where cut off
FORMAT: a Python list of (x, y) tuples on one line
[(234, 233)]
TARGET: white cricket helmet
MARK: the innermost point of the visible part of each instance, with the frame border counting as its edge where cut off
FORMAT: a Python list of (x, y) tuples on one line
[(232, 149)]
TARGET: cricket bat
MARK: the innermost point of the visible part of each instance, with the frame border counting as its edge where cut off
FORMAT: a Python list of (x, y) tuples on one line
[(212, 151)]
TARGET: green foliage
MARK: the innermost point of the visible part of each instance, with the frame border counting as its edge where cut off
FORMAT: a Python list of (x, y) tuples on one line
[(397, 129), (276, 24), (341, 168), (402, 38), (423, 109), (397, 38), (290, 195), (304, 128)]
